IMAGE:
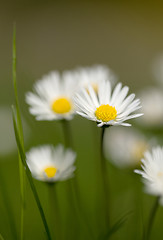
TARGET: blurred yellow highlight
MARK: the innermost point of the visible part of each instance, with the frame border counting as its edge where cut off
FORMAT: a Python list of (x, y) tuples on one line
[(61, 106), (50, 171)]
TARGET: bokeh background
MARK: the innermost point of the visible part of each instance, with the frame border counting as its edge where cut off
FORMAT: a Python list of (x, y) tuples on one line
[(125, 35)]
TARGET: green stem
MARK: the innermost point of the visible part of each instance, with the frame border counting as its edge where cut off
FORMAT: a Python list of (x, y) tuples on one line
[(73, 185), (29, 176), (152, 217), (55, 221), (105, 181), (67, 133), (20, 129)]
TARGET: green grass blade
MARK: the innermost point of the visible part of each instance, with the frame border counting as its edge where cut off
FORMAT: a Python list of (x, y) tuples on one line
[(29, 176), (117, 225), (20, 129), (18, 117), (1, 238)]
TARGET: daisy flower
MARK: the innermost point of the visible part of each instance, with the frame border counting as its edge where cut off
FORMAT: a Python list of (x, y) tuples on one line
[(153, 110), (51, 164), (106, 107), (52, 97), (131, 145), (152, 172), (94, 75)]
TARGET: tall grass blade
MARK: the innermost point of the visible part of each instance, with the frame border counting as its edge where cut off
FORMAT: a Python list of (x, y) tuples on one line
[(20, 129), (29, 176)]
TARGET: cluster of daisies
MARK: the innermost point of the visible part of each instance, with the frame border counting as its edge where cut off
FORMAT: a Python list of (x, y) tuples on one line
[(93, 94)]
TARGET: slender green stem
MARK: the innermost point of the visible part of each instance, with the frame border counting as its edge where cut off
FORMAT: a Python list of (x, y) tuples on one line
[(105, 181), (152, 217), (67, 133), (73, 185), (29, 176), (20, 129), (54, 212)]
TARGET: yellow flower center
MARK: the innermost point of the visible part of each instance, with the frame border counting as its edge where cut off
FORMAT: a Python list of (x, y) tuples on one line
[(50, 171), (61, 106), (106, 113)]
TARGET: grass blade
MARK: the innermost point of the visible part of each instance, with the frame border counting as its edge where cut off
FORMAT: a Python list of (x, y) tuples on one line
[(20, 129), (1, 238), (117, 225), (29, 176)]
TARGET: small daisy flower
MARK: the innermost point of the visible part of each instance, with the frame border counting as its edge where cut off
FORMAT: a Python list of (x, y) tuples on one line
[(131, 145), (107, 108), (94, 75), (151, 99), (52, 97), (51, 164), (152, 172)]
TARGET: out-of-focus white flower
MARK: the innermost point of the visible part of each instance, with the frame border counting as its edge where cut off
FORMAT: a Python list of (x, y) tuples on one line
[(7, 138), (94, 75), (124, 147), (53, 97), (152, 172), (51, 164), (106, 107), (151, 100)]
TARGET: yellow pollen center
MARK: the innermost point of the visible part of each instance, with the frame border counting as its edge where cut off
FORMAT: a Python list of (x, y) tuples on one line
[(50, 171), (106, 113), (61, 106)]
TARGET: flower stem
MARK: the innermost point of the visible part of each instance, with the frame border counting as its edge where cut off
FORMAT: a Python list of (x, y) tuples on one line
[(105, 181), (73, 185), (55, 221), (152, 217), (67, 133)]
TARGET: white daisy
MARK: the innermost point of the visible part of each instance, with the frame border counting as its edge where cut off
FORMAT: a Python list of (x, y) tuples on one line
[(52, 99), (94, 75), (131, 145), (107, 108), (51, 164), (151, 99), (152, 172)]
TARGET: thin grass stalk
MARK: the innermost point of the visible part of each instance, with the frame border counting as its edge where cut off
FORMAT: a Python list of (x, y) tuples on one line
[(105, 181), (20, 129), (152, 218), (29, 176)]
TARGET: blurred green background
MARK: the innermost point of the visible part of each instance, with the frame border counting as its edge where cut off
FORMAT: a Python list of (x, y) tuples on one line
[(127, 36)]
